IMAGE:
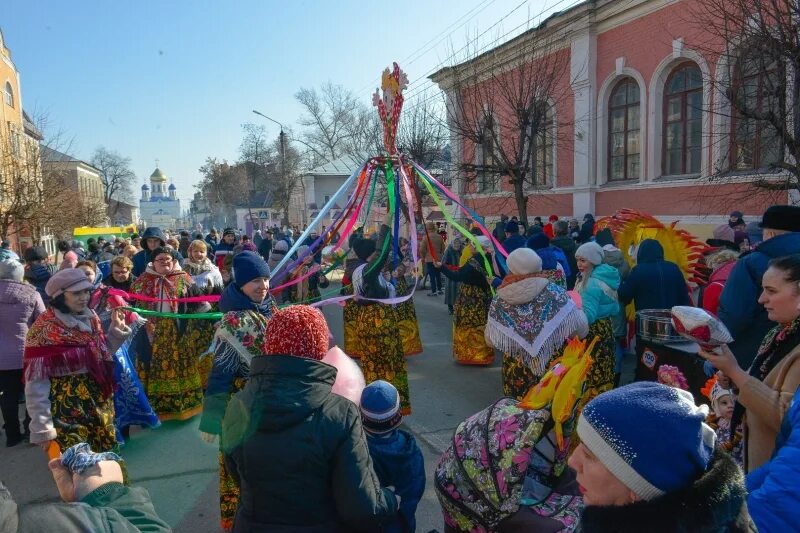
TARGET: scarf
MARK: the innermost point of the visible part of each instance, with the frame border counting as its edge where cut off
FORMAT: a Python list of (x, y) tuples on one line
[(530, 318), (233, 299), (164, 286), (777, 344), (193, 268), (240, 335), (60, 344)]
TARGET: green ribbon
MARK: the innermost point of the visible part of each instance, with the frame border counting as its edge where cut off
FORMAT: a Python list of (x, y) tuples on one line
[(159, 314)]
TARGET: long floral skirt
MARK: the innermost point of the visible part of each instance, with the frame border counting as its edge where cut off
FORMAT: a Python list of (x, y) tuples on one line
[(198, 337), (471, 310), (81, 414), (407, 320), (378, 340), (229, 491), (349, 318), (171, 378), (518, 378), (601, 374)]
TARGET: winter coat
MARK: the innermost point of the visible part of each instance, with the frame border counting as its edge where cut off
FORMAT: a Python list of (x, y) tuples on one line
[(398, 463), (432, 248), (38, 275), (716, 283), (568, 246), (111, 508), (183, 246), (774, 491), (299, 453), (514, 242), (141, 259), (20, 305), (714, 503), (739, 309), (587, 229), (599, 293), (654, 283), (265, 248)]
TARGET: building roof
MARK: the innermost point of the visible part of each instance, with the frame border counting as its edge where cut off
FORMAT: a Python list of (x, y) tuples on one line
[(172, 187), (344, 166), (145, 187), (158, 175), (50, 155)]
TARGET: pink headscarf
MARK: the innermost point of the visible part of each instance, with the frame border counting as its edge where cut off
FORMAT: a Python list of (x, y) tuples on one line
[(70, 260)]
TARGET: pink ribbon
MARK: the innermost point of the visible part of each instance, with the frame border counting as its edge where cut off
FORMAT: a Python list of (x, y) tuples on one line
[(143, 298)]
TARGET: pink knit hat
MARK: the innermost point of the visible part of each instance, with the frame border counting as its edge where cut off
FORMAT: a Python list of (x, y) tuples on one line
[(298, 330)]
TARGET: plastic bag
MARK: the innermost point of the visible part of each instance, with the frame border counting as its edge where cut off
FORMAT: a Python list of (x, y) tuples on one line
[(700, 326), (349, 378)]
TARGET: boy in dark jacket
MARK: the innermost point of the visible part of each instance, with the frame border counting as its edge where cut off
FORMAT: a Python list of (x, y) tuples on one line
[(654, 283), (37, 271), (395, 455)]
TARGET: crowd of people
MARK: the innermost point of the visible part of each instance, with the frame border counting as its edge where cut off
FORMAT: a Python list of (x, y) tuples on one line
[(158, 327)]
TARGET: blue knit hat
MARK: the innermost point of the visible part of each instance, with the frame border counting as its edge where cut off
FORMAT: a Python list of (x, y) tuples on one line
[(652, 437), (380, 407), (248, 266), (512, 227)]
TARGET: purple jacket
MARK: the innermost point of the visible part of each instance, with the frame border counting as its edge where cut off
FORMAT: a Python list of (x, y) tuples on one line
[(20, 304)]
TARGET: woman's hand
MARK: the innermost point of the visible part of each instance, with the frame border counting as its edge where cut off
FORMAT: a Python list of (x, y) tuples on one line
[(118, 319), (723, 360)]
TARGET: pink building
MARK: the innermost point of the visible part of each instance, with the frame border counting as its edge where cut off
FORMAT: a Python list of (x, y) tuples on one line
[(639, 122)]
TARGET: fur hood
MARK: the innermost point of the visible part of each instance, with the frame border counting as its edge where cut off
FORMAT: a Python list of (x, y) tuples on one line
[(717, 502)]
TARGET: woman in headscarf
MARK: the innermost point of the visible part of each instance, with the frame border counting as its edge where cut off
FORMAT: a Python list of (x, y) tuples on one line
[(597, 284), (131, 406), (530, 320), (239, 337), (452, 258), (472, 306), (69, 369), (377, 332), (169, 373)]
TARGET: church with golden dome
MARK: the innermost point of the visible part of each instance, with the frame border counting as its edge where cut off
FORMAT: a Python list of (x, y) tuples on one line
[(159, 205)]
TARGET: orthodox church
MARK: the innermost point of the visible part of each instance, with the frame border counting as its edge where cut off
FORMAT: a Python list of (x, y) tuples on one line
[(159, 205)]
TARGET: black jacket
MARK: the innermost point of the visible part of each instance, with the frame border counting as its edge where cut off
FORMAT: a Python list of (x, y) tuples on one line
[(299, 453), (715, 503), (569, 247), (654, 283)]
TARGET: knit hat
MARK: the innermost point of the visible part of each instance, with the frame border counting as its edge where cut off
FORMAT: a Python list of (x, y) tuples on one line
[(512, 227), (590, 251), (524, 261), (652, 437), (485, 243), (70, 279), (35, 253), (11, 269), (538, 240), (298, 330), (248, 266), (6, 254), (380, 407), (281, 246), (229, 231), (364, 248), (552, 218)]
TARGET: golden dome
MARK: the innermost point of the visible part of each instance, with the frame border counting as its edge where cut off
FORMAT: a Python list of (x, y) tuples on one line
[(158, 176)]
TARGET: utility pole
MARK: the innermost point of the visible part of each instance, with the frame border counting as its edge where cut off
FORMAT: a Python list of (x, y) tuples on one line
[(282, 140)]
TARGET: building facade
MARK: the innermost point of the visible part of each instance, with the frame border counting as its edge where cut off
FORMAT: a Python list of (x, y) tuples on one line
[(638, 120), (159, 205)]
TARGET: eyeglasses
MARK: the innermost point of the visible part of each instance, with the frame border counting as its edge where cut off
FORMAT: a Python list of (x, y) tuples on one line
[(164, 260)]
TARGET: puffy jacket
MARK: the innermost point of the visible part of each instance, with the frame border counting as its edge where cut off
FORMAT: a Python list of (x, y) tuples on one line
[(38, 275), (398, 462), (142, 258), (739, 309), (299, 453), (20, 304), (774, 497), (654, 283), (599, 302)]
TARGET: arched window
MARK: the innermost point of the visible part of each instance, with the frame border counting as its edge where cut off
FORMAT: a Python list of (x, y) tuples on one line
[(541, 153), (758, 89), (683, 121), (9, 94), (624, 132)]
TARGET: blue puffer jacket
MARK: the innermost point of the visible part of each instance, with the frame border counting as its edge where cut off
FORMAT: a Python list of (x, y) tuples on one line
[(774, 488), (398, 463), (739, 309), (654, 283), (38, 275), (599, 302)]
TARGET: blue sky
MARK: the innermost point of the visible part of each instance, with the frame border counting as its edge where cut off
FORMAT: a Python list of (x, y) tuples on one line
[(175, 80)]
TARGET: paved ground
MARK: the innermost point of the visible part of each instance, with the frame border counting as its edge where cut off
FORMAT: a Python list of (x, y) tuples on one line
[(180, 471)]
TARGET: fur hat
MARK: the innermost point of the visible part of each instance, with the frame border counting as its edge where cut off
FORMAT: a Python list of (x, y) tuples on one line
[(524, 261), (364, 248), (625, 429), (590, 251), (380, 407), (298, 330)]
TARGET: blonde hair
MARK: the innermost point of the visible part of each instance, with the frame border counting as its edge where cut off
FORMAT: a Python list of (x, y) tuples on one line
[(717, 259), (122, 261), (198, 244)]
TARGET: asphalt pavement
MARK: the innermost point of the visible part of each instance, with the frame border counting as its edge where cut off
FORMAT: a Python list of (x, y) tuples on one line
[(180, 471)]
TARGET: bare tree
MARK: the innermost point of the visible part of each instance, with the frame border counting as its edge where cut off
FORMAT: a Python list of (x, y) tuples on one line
[(501, 108), (257, 153), (117, 175), (422, 132), (758, 45)]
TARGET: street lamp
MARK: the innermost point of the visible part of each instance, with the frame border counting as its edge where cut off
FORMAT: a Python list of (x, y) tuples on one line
[(282, 138)]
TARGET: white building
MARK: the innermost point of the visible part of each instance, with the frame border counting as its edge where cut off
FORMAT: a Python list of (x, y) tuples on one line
[(159, 205)]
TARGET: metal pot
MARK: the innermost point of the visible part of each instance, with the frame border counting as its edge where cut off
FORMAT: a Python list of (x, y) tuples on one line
[(656, 325)]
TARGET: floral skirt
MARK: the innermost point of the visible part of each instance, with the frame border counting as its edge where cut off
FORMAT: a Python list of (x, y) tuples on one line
[(471, 310), (171, 378), (378, 342), (518, 378), (349, 318), (198, 337), (407, 321), (601, 374), (81, 414), (229, 491)]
